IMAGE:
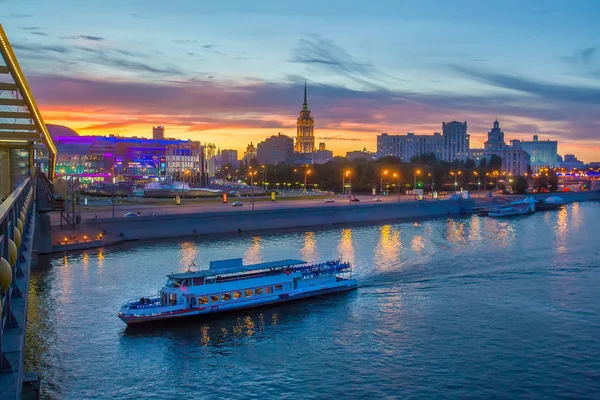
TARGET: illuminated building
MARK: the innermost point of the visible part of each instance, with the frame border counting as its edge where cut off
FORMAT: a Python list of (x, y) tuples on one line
[(102, 158), (409, 145), (274, 150), (455, 143), (250, 153), (305, 135), (322, 155), (543, 153), (515, 160), (570, 162)]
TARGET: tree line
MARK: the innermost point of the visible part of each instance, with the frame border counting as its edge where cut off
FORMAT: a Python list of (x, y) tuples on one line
[(362, 176)]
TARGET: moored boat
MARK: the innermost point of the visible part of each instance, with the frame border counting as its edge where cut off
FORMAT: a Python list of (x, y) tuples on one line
[(229, 285)]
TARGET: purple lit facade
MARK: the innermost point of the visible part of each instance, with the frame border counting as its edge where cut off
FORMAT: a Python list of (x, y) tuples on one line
[(115, 158)]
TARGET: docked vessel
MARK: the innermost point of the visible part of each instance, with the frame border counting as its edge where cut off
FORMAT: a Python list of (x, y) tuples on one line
[(230, 285), (520, 207)]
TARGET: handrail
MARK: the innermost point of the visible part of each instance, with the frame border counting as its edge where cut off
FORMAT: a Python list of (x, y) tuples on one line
[(15, 194)]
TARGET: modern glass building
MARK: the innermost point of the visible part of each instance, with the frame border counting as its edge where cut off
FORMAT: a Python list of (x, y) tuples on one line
[(542, 153)]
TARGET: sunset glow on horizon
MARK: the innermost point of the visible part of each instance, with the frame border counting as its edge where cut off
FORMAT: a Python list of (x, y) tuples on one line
[(123, 69)]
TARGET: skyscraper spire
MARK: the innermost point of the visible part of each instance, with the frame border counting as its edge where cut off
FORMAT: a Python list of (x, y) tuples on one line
[(305, 104)]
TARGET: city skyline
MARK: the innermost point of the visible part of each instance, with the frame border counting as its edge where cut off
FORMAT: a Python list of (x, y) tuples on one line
[(535, 67)]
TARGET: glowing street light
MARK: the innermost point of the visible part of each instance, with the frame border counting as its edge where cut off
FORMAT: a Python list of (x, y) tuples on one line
[(345, 175), (397, 175), (381, 183), (417, 172)]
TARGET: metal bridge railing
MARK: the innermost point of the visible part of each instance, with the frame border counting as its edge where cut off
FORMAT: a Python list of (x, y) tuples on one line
[(16, 214)]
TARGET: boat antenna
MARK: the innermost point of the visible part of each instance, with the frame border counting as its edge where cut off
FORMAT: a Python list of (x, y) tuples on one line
[(192, 264)]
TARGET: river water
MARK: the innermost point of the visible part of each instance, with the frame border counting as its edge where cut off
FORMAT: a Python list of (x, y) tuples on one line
[(467, 307)]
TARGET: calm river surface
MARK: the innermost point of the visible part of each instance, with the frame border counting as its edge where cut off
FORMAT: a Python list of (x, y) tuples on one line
[(469, 307)]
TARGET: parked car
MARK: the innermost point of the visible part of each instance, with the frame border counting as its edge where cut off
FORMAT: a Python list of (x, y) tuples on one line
[(354, 199), (237, 204), (130, 214), (377, 198), (329, 200)]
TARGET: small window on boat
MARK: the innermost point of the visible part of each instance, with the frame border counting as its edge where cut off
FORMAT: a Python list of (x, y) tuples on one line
[(278, 288), (198, 281), (248, 293), (215, 298), (268, 289), (258, 291), (203, 300), (237, 294), (226, 296), (173, 299)]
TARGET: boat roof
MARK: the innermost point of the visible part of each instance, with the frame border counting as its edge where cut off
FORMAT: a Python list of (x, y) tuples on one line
[(233, 266)]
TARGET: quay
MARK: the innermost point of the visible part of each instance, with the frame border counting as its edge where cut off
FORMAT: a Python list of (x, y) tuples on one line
[(227, 220)]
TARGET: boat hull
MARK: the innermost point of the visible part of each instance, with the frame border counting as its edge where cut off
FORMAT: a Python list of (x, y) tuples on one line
[(213, 310)]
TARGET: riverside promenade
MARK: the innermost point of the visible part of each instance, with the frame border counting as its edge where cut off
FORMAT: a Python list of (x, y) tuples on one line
[(223, 219)]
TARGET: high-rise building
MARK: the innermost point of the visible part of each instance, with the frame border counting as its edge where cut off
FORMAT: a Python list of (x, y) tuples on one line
[(322, 146), (455, 141), (305, 135), (274, 150), (543, 153), (229, 157), (515, 160), (571, 162), (409, 145), (158, 132)]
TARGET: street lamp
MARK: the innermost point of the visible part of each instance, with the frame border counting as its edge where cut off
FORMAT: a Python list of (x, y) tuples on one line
[(345, 175), (252, 186), (397, 175), (431, 176), (417, 172), (381, 184), (455, 174), (306, 172)]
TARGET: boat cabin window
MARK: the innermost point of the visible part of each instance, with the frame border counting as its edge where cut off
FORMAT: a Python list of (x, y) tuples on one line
[(203, 300), (226, 296), (269, 289), (258, 291), (278, 288), (174, 283), (215, 298), (248, 293), (237, 295), (173, 299), (198, 281)]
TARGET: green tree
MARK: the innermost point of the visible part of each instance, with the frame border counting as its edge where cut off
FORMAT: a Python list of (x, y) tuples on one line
[(519, 185), (495, 162)]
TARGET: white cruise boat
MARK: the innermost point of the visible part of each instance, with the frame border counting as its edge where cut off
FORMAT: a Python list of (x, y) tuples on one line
[(230, 285)]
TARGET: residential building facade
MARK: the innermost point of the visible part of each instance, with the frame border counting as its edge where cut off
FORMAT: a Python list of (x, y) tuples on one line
[(543, 153), (409, 145), (455, 143)]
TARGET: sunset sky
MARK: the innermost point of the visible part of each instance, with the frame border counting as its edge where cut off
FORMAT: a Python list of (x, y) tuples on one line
[(231, 72)]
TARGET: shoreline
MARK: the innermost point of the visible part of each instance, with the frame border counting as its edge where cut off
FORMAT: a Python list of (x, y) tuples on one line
[(120, 230)]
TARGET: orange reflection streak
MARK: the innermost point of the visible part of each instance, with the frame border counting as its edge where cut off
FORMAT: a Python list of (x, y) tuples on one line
[(253, 254), (100, 261), (387, 252), (189, 252), (309, 252), (562, 230), (418, 244), (345, 246)]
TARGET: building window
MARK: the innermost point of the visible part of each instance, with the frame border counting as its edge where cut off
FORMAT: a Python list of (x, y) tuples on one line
[(258, 291), (237, 294), (203, 300), (278, 288), (226, 296), (248, 293), (269, 289)]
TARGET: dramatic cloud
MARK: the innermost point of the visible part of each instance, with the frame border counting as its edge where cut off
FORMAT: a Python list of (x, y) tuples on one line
[(103, 56), (86, 37), (544, 90)]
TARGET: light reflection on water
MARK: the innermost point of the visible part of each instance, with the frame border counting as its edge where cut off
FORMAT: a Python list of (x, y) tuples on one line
[(439, 302)]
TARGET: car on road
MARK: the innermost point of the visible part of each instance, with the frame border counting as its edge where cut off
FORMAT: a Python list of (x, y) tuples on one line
[(377, 198), (329, 200), (130, 215), (354, 200), (237, 204)]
